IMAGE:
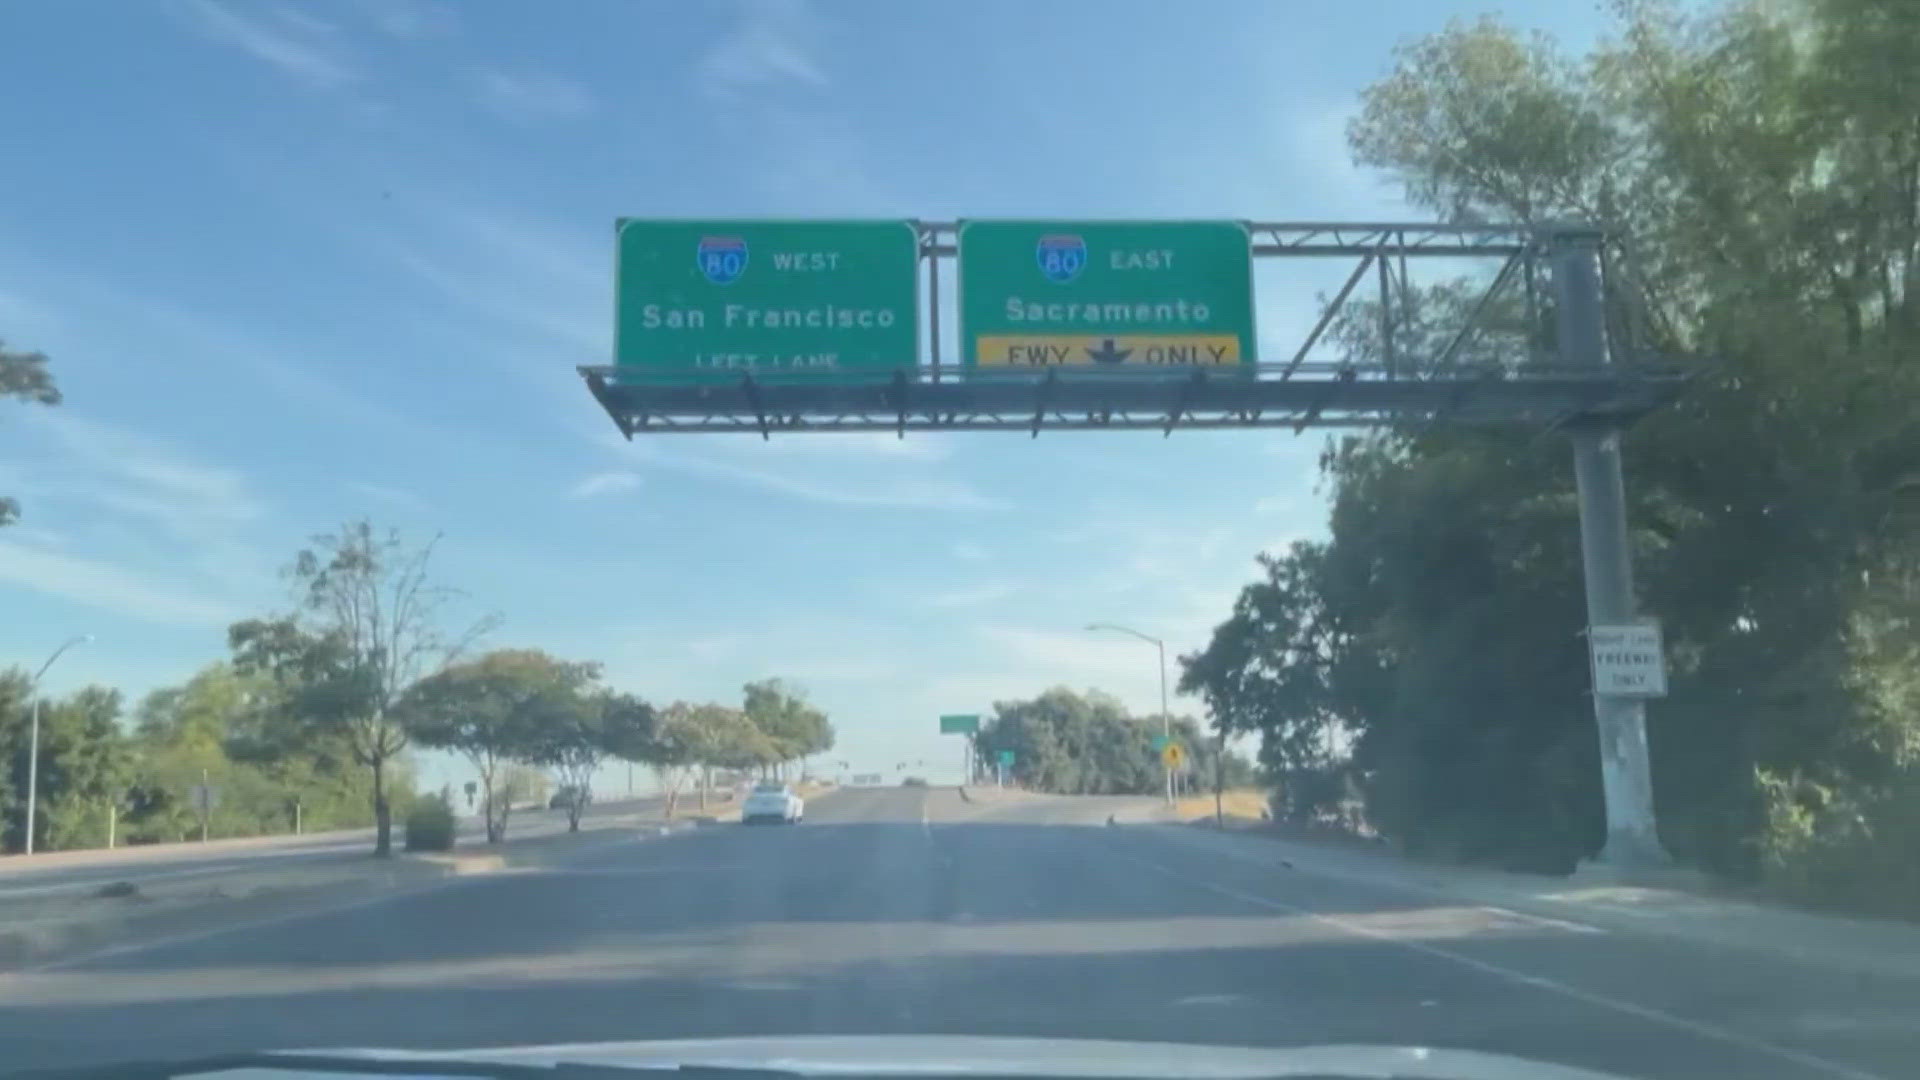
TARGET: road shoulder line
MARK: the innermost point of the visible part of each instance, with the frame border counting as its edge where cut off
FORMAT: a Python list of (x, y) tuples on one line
[(1507, 974)]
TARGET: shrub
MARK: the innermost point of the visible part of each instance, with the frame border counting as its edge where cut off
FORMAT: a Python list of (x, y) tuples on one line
[(1848, 846), (430, 826)]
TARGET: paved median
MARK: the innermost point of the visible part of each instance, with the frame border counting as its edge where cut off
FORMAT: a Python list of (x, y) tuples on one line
[(39, 927)]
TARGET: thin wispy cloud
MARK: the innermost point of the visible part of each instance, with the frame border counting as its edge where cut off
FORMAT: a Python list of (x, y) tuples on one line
[(715, 647), (120, 590), (385, 493), (767, 82), (98, 313), (1077, 656), (971, 596), (143, 476), (768, 49), (918, 447), (409, 19), (604, 483), (830, 486), (547, 287), (532, 97), (179, 521), (295, 42)]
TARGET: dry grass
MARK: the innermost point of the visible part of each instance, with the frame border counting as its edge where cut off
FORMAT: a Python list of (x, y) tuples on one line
[(1240, 804)]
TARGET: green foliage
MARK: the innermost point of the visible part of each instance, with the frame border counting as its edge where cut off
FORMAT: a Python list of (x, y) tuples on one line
[(367, 628), (217, 726), (510, 705), (1074, 744), (307, 726), (1755, 169), (791, 727), (430, 825), (1849, 847), (605, 724), (82, 769), (24, 377)]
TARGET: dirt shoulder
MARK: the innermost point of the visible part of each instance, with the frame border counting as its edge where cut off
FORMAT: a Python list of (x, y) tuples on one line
[(1655, 907)]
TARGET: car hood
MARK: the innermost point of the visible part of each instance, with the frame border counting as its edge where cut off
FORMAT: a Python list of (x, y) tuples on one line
[(967, 1055)]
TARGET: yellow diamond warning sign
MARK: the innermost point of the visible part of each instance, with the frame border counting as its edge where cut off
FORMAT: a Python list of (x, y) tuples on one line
[(1117, 350)]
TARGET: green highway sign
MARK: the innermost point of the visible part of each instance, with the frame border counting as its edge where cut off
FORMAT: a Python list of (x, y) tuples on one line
[(712, 300), (960, 723), (1006, 758), (1121, 293)]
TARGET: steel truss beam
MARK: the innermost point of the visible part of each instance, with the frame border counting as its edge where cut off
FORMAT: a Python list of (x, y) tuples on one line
[(1099, 398), (1424, 390)]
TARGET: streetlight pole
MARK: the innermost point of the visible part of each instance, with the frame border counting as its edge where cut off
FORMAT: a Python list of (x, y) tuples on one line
[(1166, 719), (33, 737)]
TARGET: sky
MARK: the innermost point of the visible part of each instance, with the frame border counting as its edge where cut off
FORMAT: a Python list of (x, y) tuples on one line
[(304, 263)]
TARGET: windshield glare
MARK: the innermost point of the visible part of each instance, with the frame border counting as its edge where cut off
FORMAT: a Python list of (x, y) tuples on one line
[(1160, 532)]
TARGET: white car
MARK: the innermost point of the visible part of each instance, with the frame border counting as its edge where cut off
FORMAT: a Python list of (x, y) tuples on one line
[(771, 800)]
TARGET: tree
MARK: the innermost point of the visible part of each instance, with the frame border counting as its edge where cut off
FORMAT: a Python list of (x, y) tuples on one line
[(678, 741), (83, 771), (605, 724), (728, 740), (1755, 169), (508, 706), (23, 377), (367, 627), (793, 727), (688, 737), (228, 728), (82, 768), (1075, 744)]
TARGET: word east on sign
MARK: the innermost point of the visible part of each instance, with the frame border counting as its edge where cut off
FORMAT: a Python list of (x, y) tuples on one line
[(710, 300), (1119, 293)]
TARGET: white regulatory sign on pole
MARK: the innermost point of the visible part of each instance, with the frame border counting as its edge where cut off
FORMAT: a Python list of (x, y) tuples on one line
[(1628, 661)]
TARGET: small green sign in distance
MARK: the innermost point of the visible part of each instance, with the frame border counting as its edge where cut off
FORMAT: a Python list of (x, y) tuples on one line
[(960, 723), (1006, 758), (1126, 294), (708, 301)]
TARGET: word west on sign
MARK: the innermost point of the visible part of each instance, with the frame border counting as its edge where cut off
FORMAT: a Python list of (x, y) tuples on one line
[(1628, 661), (1123, 294)]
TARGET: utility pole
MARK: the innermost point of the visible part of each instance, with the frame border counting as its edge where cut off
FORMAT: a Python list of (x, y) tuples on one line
[(33, 739), (1220, 781), (1166, 718), (1626, 776)]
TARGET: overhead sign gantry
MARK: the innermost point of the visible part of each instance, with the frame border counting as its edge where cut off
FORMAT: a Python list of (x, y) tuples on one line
[(794, 327), (788, 327)]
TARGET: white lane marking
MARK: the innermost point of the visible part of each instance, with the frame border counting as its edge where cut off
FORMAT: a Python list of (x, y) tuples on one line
[(1209, 999), (620, 871), (1541, 920), (1588, 997)]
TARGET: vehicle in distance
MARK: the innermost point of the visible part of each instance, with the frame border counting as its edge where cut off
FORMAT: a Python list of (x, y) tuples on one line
[(773, 802), (564, 797), (914, 781)]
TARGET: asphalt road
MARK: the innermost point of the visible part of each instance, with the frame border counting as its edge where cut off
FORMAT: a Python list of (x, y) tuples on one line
[(75, 871), (911, 911)]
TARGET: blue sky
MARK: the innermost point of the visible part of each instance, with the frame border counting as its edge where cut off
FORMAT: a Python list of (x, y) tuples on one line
[(301, 263)]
